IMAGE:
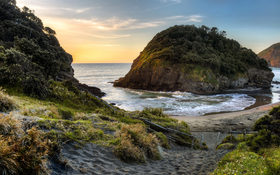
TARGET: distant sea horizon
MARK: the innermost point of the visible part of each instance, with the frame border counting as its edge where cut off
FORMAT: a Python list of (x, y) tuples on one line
[(102, 75)]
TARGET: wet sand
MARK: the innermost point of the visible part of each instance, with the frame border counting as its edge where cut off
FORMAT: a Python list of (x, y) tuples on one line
[(224, 122)]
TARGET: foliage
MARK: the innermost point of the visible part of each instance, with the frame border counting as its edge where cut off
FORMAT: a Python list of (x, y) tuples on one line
[(257, 153), (163, 140), (226, 146), (268, 128), (6, 102), (200, 46), (135, 144), (71, 96), (30, 54)]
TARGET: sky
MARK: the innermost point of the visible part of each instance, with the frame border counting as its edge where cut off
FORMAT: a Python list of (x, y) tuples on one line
[(116, 31)]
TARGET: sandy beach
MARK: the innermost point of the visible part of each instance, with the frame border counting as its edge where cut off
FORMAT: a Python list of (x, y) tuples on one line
[(224, 122)]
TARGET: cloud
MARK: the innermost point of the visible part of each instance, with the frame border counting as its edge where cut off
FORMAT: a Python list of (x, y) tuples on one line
[(194, 18), (171, 1), (115, 23), (47, 9), (190, 18), (77, 11)]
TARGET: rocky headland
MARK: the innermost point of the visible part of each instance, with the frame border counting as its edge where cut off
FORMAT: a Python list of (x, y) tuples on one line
[(198, 60), (271, 55)]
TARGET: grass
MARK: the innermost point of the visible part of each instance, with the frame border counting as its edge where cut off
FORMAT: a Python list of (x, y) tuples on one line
[(244, 162), (21, 152), (135, 144), (123, 131), (6, 102)]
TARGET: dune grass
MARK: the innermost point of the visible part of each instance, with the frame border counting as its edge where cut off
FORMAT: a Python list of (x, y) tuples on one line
[(21, 152), (6, 102)]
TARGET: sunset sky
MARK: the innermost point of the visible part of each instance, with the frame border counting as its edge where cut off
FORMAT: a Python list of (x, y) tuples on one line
[(114, 31)]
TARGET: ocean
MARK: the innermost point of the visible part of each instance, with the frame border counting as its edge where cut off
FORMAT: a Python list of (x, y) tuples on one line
[(173, 103)]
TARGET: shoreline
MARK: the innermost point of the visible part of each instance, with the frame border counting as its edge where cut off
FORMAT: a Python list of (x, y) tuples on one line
[(224, 122)]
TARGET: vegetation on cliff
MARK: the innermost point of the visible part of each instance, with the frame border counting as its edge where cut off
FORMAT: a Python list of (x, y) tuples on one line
[(199, 54), (30, 54), (203, 46), (271, 55), (31, 58)]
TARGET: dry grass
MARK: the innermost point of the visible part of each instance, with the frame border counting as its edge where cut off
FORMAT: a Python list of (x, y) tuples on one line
[(6, 102), (21, 152), (136, 144)]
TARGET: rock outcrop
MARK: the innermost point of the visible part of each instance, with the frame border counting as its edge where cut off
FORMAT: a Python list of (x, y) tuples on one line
[(271, 55), (197, 60)]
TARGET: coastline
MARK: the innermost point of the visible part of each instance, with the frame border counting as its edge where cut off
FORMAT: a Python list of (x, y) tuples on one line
[(224, 122)]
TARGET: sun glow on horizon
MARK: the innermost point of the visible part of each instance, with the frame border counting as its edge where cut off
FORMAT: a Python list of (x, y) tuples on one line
[(117, 31)]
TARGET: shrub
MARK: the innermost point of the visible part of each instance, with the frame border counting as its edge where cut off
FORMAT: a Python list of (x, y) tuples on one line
[(135, 144), (6, 102), (226, 146), (66, 114), (230, 139), (163, 140), (35, 85), (263, 123), (21, 152), (263, 139)]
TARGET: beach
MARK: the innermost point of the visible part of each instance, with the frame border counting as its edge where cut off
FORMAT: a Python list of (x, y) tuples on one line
[(224, 122)]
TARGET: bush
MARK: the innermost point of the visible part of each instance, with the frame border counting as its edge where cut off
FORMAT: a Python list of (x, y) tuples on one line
[(230, 139), (268, 128), (135, 144), (66, 114), (163, 140), (226, 146), (35, 85), (21, 152), (263, 139), (6, 102)]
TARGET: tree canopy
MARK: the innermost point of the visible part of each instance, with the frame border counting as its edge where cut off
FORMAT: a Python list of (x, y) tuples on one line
[(203, 46), (30, 54)]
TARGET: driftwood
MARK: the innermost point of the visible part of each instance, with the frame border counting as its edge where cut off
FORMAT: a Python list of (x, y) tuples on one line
[(275, 82), (160, 128), (173, 135)]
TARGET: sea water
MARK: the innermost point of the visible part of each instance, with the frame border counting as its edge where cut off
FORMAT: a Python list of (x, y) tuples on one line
[(173, 103)]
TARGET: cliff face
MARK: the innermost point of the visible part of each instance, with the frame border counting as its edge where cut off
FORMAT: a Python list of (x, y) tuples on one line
[(198, 60), (271, 55), (30, 54)]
